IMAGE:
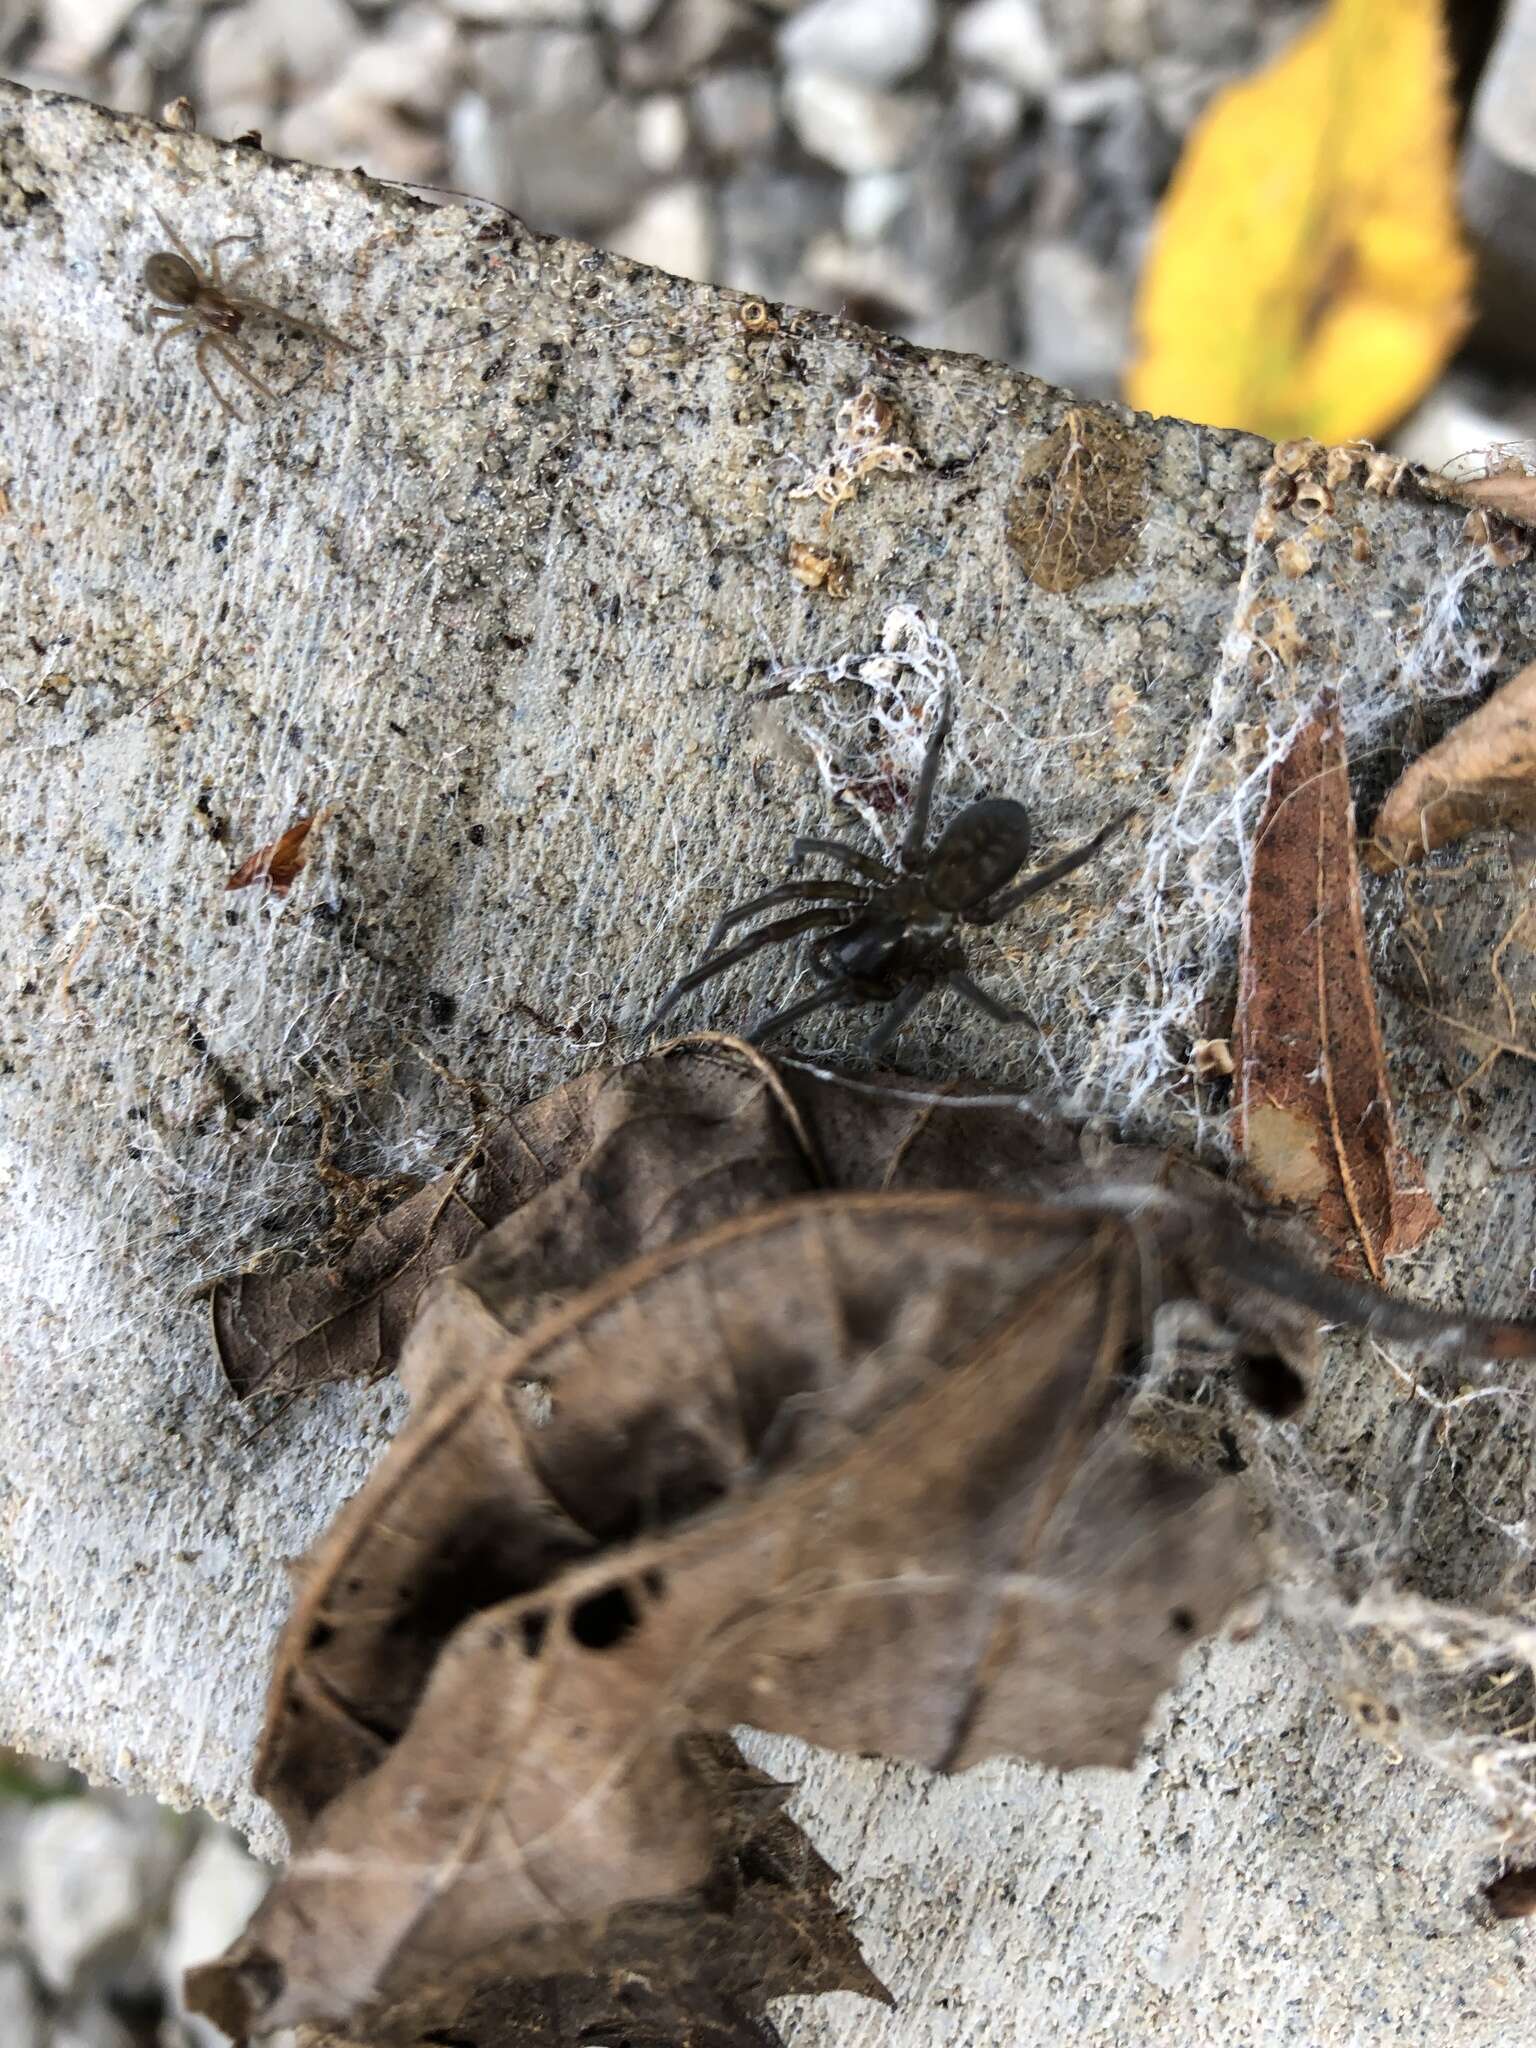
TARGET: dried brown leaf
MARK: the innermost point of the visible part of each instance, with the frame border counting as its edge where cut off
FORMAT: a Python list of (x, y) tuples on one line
[(696, 1972), (1314, 1104), (278, 863), (1509, 491), (613, 1164), (932, 1539), (1482, 774), (1080, 500), (858, 1467)]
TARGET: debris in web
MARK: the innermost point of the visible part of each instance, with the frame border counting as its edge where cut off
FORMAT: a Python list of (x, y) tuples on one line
[(866, 443)]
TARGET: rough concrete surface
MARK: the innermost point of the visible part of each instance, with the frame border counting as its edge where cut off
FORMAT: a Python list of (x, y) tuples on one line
[(502, 605)]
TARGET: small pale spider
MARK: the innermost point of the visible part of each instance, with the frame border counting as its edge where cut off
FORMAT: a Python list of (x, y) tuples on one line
[(893, 937), (201, 302)]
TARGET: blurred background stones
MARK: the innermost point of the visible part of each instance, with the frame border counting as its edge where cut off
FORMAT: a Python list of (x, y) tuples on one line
[(104, 1900), (976, 173)]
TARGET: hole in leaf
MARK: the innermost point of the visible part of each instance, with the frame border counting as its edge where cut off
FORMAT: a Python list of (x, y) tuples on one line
[(320, 1635), (604, 1619), (534, 1627), (654, 1582), (1181, 1621)]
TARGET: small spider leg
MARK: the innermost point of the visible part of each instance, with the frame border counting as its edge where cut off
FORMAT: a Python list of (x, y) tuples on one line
[(770, 935), (786, 892), (864, 864), (780, 1020), (980, 999), (916, 835), (180, 246), (1044, 877), (236, 362), (168, 313), (215, 265), (896, 1015), (169, 334), (271, 312)]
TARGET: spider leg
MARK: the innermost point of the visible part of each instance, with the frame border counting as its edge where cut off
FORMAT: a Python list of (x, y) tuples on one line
[(769, 935), (169, 334), (265, 306), (237, 363), (780, 1020), (786, 892), (864, 864), (1033, 884), (168, 313), (897, 1013), (201, 353), (216, 275), (980, 999), (180, 246), (917, 825)]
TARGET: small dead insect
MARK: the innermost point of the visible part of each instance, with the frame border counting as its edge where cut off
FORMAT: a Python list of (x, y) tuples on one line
[(201, 302), (893, 938)]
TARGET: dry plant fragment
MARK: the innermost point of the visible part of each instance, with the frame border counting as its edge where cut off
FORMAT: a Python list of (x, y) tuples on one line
[(756, 318), (818, 571), (865, 445), (1313, 1101), (850, 1467), (853, 1466), (1481, 775), (278, 864), (1080, 500), (581, 1167)]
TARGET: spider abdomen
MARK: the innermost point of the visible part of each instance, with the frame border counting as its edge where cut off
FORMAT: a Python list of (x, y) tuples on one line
[(978, 853)]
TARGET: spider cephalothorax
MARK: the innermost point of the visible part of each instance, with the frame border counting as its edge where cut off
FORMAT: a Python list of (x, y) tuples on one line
[(893, 936)]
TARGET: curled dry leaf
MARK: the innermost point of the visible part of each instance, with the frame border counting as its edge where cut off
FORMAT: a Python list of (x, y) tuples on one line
[(616, 1163), (278, 863), (853, 1466), (1482, 774), (692, 1972), (1313, 1101)]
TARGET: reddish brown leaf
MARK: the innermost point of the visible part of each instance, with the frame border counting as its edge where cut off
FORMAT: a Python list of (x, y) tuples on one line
[(1482, 774), (278, 863), (1313, 1102)]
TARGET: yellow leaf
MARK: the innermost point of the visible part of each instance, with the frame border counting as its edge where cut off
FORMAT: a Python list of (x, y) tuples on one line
[(1308, 275)]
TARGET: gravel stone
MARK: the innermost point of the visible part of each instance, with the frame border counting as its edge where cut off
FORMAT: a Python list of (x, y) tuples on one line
[(551, 70), (22, 2020), (875, 42), (1009, 39), (853, 128), (671, 230), (687, 37), (736, 112)]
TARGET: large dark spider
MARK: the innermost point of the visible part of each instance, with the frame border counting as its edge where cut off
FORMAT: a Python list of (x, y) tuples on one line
[(893, 937)]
